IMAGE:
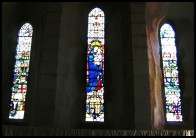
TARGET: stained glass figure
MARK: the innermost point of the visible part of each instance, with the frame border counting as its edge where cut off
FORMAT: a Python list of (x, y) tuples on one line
[(95, 67), (170, 72), (21, 70)]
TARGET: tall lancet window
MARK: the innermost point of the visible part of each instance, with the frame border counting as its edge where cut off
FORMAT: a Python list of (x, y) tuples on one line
[(170, 73), (21, 70), (95, 67)]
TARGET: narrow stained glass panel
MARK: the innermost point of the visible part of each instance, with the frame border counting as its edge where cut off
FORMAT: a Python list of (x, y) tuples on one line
[(170, 72), (21, 70), (95, 67)]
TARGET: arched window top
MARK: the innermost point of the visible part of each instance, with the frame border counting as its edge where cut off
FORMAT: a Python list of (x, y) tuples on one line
[(26, 30), (166, 30), (96, 26), (96, 12)]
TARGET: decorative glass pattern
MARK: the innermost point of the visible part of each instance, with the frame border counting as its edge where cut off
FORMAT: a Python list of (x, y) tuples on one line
[(170, 72), (21, 70), (95, 67)]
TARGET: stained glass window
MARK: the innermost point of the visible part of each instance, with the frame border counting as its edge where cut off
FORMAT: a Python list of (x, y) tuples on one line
[(170, 72), (95, 67), (21, 70)]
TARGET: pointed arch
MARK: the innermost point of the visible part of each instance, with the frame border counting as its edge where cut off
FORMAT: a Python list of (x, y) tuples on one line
[(21, 70), (170, 73), (95, 66)]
